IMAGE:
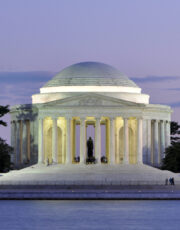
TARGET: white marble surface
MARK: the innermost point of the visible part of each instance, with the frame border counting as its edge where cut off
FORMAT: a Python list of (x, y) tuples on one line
[(88, 174)]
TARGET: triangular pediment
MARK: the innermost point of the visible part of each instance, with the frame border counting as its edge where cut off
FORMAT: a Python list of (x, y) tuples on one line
[(90, 99)]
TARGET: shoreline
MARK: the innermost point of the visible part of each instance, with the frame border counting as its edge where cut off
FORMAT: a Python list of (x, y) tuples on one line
[(90, 193)]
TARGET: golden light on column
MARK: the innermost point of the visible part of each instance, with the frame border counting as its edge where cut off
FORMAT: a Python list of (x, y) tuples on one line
[(61, 127), (107, 138), (132, 140), (119, 140), (132, 124), (47, 136), (74, 121)]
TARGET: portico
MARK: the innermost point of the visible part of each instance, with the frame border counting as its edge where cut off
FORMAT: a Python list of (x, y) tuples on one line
[(57, 139)]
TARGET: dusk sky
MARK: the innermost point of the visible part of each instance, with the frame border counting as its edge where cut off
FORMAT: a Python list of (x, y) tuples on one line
[(40, 37)]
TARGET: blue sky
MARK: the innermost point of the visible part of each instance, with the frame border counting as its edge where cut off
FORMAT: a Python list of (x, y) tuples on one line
[(40, 37)]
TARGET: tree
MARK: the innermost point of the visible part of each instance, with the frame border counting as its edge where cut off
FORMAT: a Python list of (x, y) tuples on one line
[(171, 161), (3, 110), (175, 131), (5, 161), (172, 153), (5, 149)]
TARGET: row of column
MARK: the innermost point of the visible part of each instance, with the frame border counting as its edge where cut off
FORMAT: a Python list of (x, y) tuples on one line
[(158, 133), (111, 150), (20, 141)]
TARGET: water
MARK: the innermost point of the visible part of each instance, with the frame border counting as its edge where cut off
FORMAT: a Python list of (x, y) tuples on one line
[(62, 215)]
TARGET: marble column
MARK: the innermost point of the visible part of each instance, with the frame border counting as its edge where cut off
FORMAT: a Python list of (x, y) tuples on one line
[(126, 142), (63, 145), (139, 140), (107, 139), (74, 139), (40, 142), (32, 141), (149, 161), (13, 141), (162, 125), (54, 141), (68, 141), (82, 141), (98, 141), (12, 133), (24, 142), (112, 141), (13, 136), (117, 146), (156, 143), (28, 141), (168, 137), (18, 142)]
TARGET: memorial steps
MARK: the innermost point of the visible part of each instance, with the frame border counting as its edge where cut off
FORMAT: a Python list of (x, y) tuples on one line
[(77, 174)]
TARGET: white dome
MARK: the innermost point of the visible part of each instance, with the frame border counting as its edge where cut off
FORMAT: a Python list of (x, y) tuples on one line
[(90, 77), (90, 74)]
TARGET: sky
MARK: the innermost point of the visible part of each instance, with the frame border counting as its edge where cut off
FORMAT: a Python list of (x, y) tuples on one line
[(40, 37)]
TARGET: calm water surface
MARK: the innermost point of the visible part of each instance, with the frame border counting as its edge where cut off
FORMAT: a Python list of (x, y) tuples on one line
[(125, 215)]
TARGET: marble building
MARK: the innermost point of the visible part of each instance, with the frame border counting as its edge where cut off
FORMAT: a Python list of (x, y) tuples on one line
[(90, 94)]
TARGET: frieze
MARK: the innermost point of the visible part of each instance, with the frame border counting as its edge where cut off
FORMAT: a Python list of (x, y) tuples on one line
[(90, 101)]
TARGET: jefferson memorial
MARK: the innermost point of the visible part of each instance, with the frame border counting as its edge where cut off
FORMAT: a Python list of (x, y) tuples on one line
[(125, 128)]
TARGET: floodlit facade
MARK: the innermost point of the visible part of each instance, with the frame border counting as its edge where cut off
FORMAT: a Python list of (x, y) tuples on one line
[(54, 127)]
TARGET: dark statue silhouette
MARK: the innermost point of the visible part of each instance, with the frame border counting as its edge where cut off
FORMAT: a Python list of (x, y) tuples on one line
[(90, 146)]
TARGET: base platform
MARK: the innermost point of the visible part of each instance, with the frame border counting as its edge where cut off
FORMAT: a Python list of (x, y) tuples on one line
[(123, 182), (88, 175)]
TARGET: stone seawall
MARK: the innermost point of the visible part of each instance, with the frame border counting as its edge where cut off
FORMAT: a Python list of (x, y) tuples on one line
[(90, 192)]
